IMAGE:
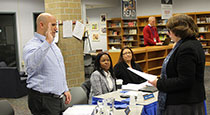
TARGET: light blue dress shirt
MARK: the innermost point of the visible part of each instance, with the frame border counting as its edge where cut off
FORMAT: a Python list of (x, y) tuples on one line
[(44, 66)]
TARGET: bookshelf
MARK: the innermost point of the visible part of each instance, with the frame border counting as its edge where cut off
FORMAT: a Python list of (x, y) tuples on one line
[(121, 33), (114, 33), (160, 24), (142, 22), (129, 33), (202, 19)]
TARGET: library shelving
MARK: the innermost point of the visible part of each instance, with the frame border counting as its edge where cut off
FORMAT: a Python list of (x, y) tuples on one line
[(202, 19), (129, 33), (160, 24), (121, 33), (114, 33), (142, 22)]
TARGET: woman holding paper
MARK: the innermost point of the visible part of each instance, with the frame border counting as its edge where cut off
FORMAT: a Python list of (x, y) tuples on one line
[(181, 86), (102, 79), (127, 60)]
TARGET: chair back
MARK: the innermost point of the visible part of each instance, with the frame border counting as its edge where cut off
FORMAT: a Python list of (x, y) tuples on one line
[(86, 87), (6, 108), (87, 60), (78, 96), (10, 83), (3, 64)]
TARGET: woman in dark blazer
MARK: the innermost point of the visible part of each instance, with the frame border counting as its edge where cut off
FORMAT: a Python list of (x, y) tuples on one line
[(127, 60), (102, 79), (181, 86)]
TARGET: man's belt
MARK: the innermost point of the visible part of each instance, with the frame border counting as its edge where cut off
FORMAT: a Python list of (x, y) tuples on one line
[(46, 94)]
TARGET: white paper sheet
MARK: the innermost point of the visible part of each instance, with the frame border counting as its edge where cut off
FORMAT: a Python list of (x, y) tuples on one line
[(67, 28), (79, 30), (80, 110), (136, 87), (146, 76)]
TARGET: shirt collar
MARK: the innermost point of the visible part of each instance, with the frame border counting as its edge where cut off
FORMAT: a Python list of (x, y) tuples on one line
[(149, 25), (106, 73), (41, 37)]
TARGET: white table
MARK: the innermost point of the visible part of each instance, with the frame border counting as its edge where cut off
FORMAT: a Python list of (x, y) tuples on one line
[(87, 109), (116, 95)]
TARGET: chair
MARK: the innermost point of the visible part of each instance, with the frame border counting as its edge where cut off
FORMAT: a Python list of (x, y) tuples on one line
[(11, 85), (3, 64), (78, 96), (89, 66), (6, 108), (86, 87)]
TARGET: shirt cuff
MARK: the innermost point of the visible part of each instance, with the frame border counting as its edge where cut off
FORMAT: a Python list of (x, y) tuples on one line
[(45, 45)]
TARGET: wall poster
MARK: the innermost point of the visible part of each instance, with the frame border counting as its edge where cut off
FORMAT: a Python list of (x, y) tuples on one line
[(94, 26), (95, 37), (128, 9)]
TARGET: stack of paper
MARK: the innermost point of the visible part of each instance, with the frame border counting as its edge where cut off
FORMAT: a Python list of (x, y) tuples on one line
[(80, 110), (135, 87)]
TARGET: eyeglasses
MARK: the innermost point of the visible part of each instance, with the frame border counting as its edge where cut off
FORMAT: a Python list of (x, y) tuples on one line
[(127, 53)]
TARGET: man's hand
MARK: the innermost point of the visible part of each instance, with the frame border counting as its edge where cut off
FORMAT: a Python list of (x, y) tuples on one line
[(68, 97), (48, 34)]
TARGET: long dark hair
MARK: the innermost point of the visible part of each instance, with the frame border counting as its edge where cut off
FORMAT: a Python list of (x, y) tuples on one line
[(121, 55), (97, 65)]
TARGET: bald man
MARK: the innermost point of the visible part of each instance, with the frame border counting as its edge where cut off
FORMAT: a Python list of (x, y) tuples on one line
[(46, 71), (150, 33)]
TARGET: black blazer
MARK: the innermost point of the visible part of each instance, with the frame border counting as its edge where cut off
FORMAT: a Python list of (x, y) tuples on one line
[(121, 72), (185, 74)]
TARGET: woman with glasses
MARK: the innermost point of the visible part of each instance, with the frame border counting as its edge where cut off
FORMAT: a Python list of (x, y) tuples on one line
[(126, 60), (102, 79), (181, 85)]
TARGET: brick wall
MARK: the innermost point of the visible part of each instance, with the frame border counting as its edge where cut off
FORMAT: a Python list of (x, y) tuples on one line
[(72, 48)]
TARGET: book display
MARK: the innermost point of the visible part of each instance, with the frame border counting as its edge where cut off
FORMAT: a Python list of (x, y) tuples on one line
[(129, 33), (121, 33), (114, 33)]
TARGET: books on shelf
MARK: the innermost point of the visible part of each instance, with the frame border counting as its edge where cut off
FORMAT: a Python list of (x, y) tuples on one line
[(203, 29), (130, 24), (162, 22), (113, 40), (128, 44), (162, 31), (129, 38), (203, 19), (114, 32), (116, 24), (130, 31)]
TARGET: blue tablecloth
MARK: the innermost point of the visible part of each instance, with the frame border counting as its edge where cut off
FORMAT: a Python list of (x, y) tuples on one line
[(149, 109)]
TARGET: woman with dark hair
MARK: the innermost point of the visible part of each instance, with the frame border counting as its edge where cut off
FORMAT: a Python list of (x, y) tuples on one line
[(102, 79), (181, 85), (126, 60)]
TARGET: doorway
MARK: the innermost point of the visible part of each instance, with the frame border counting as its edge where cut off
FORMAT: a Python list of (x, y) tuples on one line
[(8, 40)]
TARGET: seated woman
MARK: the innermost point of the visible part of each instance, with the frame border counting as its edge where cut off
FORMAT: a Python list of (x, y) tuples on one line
[(102, 79), (127, 60)]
